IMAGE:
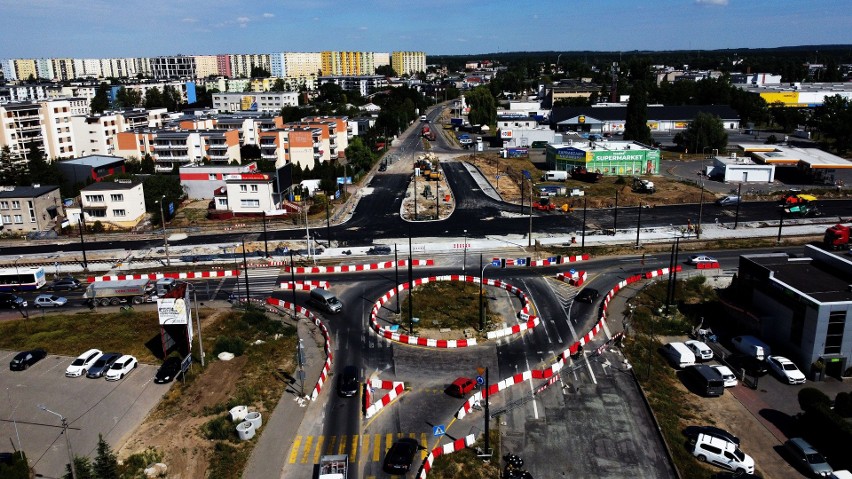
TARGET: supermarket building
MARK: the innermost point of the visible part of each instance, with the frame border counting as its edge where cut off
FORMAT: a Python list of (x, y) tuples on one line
[(610, 158)]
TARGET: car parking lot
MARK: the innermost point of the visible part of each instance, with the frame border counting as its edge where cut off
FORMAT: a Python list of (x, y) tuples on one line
[(91, 407)]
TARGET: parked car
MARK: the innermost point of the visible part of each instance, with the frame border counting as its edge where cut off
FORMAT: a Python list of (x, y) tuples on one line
[(727, 375), (49, 301), (785, 370), (11, 301), (692, 433), (399, 457), (81, 365), (121, 367), (380, 249), (460, 387), (699, 349), (102, 365), (169, 370), (806, 458), (701, 258), (722, 453), (25, 359), (728, 200), (678, 354), (64, 284), (587, 295), (347, 383)]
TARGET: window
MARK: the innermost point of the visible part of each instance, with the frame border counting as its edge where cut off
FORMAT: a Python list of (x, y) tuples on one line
[(223, 202), (250, 203), (4, 205), (211, 177), (7, 219), (834, 332), (116, 197), (254, 188), (243, 188), (95, 198), (16, 205), (119, 213), (19, 219)]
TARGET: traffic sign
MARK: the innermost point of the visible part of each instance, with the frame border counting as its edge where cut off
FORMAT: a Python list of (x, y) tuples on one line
[(480, 380), (495, 262), (438, 431)]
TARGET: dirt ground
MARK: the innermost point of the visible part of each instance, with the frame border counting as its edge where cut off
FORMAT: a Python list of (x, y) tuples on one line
[(185, 451)]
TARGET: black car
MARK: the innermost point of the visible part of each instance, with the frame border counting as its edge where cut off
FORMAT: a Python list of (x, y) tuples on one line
[(347, 383), (381, 249), (65, 284), (587, 295), (102, 365), (400, 456), (25, 359), (10, 301), (751, 366), (692, 432), (169, 370)]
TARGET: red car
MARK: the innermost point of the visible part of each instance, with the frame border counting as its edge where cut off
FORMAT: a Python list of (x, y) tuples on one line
[(460, 387)]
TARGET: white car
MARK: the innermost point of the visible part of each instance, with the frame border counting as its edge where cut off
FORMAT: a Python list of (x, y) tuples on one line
[(49, 301), (82, 363), (727, 375), (121, 367), (701, 258), (701, 350), (785, 370)]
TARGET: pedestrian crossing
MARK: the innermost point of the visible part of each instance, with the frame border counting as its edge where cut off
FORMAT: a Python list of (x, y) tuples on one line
[(262, 281), (362, 447)]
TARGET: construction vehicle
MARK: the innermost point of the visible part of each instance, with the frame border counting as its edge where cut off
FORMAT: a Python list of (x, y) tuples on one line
[(836, 237), (799, 205), (333, 467), (544, 204), (643, 186), (134, 291), (582, 174), (797, 199), (426, 132)]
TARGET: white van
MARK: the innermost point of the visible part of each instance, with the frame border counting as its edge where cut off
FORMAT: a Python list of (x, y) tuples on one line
[(326, 301), (751, 346), (722, 453), (679, 354), (555, 175)]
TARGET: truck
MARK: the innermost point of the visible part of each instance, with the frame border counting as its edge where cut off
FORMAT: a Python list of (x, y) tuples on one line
[(457, 122), (555, 175), (426, 132), (515, 152), (106, 293), (836, 237), (333, 466), (582, 174), (643, 186)]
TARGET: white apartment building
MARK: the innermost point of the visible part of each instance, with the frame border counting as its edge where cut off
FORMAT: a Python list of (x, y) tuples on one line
[(118, 205), (364, 84), (381, 59), (88, 67), (59, 140), (206, 66), (95, 134), (246, 194), (255, 101), (242, 64), (21, 126)]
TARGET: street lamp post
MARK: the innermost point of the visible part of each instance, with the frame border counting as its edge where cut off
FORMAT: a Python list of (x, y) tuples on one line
[(163, 223), (464, 260), (17, 272), (67, 439), (83, 242), (481, 305), (583, 238), (245, 268)]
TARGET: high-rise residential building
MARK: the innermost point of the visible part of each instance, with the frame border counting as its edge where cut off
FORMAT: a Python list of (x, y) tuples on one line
[(243, 63), (363, 84), (59, 139), (173, 67), (277, 65), (44, 67), (381, 59), (88, 67), (254, 101), (295, 64), (223, 65), (63, 69), (25, 68), (206, 66), (408, 63), (7, 67), (95, 134), (347, 63), (21, 127)]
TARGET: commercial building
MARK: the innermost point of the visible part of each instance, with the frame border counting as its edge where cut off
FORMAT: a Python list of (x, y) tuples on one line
[(610, 158), (117, 205), (522, 131), (812, 165), (611, 119), (801, 306), (30, 208), (734, 168), (269, 102), (798, 95), (95, 168)]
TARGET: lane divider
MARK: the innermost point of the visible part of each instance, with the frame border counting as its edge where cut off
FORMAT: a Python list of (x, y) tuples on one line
[(305, 285), (574, 278), (351, 268), (395, 388)]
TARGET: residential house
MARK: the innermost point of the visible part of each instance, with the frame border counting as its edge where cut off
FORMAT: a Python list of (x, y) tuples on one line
[(30, 208), (117, 205)]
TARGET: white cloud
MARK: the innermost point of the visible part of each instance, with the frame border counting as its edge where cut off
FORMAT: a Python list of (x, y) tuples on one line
[(243, 21), (721, 3), (190, 20), (268, 15), (362, 28)]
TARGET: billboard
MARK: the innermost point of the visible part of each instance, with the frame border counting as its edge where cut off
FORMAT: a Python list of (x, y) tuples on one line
[(506, 134), (173, 311)]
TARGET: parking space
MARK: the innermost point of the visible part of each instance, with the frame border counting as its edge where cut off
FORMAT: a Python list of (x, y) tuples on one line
[(91, 407)]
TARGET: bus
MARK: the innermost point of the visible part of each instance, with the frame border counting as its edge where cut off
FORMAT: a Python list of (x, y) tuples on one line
[(22, 278)]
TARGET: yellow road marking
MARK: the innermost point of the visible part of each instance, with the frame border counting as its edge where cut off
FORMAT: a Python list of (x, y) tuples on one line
[(377, 445), (307, 450), (318, 449), (332, 441), (294, 452), (354, 452)]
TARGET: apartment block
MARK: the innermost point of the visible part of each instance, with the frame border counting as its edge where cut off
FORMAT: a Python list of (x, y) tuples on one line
[(298, 145), (206, 66), (171, 149), (95, 134), (21, 127), (364, 84), (347, 63), (255, 101), (59, 140), (242, 64), (338, 132), (223, 65), (408, 63), (173, 67)]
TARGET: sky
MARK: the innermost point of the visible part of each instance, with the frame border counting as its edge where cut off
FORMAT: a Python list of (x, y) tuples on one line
[(144, 28)]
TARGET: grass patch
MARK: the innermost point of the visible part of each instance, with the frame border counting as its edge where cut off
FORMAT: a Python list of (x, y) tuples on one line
[(465, 464), (228, 461), (448, 304)]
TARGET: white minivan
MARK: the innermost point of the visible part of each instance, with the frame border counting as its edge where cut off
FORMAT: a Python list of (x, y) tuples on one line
[(679, 354), (751, 346), (722, 453)]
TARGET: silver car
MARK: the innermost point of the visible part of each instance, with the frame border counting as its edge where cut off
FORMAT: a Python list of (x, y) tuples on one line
[(49, 301), (102, 365)]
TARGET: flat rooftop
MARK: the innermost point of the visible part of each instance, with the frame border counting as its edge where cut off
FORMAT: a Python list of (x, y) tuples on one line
[(818, 280)]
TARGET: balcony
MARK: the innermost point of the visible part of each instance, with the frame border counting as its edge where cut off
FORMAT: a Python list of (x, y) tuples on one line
[(170, 146), (218, 157)]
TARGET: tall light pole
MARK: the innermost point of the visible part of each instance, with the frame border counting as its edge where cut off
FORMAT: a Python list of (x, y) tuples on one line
[(17, 272), (464, 261), (67, 439), (82, 241), (197, 320), (245, 268), (163, 223), (481, 306)]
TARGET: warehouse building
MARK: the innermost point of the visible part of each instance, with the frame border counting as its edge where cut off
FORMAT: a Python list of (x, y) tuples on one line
[(612, 119)]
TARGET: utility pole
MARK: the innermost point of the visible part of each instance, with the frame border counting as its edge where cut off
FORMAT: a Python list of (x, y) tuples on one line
[(487, 416), (265, 243), (583, 239), (615, 215), (82, 242), (245, 267), (638, 223), (739, 200), (396, 271), (410, 286), (293, 280), (529, 237), (700, 211)]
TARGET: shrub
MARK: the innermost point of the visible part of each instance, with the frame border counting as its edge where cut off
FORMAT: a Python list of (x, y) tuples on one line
[(229, 344), (810, 397), (843, 404), (218, 428)]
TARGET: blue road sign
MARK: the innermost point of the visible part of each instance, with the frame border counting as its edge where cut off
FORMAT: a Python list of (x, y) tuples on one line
[(495, 262), (480, 380), (521, 261), (526, 174), (438, 431)]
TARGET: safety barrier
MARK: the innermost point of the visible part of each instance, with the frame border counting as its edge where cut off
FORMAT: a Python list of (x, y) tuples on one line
[(326, 369), (448, 448), (154, 276), (563, 357), (358, 267), (711, 265), (305, 285), (574, 278), (552, 261), (530, 321), (395, 388)]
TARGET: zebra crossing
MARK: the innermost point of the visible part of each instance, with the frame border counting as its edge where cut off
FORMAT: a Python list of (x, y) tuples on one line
[(360, 447), (262, 281)]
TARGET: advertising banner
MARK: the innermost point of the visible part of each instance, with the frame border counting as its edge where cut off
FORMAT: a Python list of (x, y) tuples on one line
[(173, 311)]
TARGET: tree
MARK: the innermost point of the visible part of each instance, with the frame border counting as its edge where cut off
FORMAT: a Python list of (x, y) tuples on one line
[(83, 468), (359, 155), (278, 85), (706, 131), (483, 106), (249, 152), (148, 165), (834, 120), (155, 187), (172, 98), (259, 72), (40, 171), (153, 98), (386, 70), (100, 102), (636, 121), (125, 98), (106, 464)]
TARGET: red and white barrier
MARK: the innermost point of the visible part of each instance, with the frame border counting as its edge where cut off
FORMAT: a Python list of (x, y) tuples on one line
[(577, 278), (530, 321), (154, 276), (326, 369), (305, 285), (552, 261), (351, 268), (448, 448), (395, 388), (711, 265), (563, 357)]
